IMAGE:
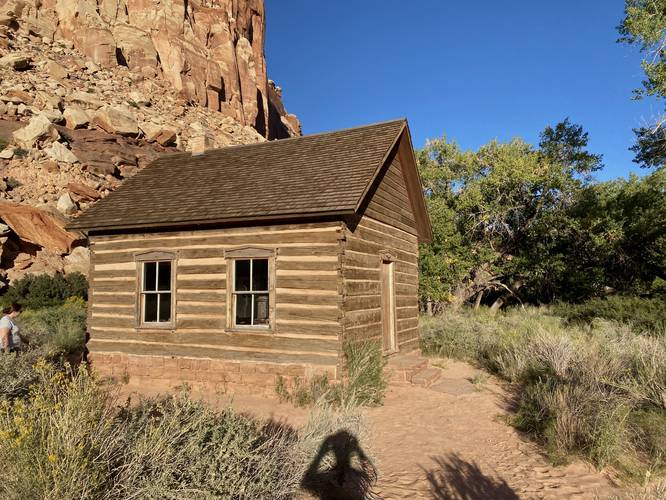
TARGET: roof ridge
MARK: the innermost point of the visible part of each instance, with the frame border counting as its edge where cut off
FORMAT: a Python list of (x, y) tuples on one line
[(286, 139)]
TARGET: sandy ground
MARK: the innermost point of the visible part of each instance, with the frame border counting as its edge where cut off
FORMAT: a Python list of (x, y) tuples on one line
[(429, 444)]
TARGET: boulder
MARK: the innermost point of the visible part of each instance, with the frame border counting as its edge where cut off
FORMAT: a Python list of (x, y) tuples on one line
[(56, 70), (18, 61), (7, 154), (78, 261), (17, 96), (53, 115), (116, 120), (38, 128), (59, 152), (164, 136), (75, 117), (39, 227), (66, 205), (80, 192), (86, 99), (101, 168)]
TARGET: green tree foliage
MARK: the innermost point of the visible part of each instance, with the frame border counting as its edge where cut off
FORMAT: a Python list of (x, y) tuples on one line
[(644, 26), (46, 291), (513, 222)]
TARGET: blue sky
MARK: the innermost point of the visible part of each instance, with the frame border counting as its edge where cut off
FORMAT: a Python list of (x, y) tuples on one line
[(472, 71)]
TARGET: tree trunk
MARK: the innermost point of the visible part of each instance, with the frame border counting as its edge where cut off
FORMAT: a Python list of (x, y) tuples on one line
[(497, 305), (479, 296)]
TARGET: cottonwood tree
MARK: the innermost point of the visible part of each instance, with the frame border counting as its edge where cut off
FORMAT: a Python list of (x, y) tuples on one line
[(644, 26), (490, 208)]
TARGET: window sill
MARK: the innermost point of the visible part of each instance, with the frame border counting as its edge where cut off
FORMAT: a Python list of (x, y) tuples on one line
[(249, 329), (156, 326)]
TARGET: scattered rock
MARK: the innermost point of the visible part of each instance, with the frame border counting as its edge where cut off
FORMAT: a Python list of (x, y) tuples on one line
[(66, 205), (78, 261), (88, 100), (53, 115), (116, 120), (56, 70), (7, 154), (59, 152), (36, 226), (17, 61), (80, 192), (17, 96), (38, 128), (101, 168), (75, 117)]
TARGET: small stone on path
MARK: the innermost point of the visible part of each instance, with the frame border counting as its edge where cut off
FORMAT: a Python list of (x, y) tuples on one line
[(453, 386)]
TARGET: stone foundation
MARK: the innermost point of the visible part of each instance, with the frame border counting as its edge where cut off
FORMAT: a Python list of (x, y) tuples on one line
[(167, 373)]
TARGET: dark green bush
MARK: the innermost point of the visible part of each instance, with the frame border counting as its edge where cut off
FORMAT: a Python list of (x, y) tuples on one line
[(642, 314), (43, 290)]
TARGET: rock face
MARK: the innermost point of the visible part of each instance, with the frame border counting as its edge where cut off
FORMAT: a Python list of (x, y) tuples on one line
[(210, 51), (91, 91)]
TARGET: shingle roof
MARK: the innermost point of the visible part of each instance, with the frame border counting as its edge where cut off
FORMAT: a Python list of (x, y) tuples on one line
[(322, 173)]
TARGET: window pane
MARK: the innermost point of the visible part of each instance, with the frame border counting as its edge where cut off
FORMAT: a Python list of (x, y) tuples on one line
[(149, 275), (150, 308), (260, 275), (242, 276), (244, 309), (261, 309), (165, 307), (164, 277)]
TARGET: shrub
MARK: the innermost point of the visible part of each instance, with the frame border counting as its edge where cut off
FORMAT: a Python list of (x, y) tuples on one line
[(58, 330), (581, 388), (66, 439), (364, 384), (43, 290), (17, 373), (643, 315)]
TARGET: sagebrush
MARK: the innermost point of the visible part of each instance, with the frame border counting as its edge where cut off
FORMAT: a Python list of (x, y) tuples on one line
[(68, 439), (596, 390)]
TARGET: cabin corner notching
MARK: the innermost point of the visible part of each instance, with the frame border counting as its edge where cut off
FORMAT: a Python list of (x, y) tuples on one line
[(242, 282)]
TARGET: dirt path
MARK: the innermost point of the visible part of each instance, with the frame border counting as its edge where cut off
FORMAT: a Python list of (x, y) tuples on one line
[(436, 445), (430, 444)]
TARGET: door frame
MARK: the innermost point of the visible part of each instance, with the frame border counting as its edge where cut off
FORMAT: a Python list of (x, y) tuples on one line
[(388, 306)]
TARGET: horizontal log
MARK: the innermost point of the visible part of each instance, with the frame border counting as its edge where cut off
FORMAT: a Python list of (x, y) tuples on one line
[(313, 251), (230, 231), (118, 322), (353, 287), (294, 265), (314, 328), (407, 312), (308, 282), (356, 273), (385, 229), (114, 286), (286, 312), (203, 269), (362, 302), (113, 299), (120, 310), (363, 317), (373, 248), (306, 298), (214, 353), (409, 290), (212, 284), (359, 332), (407, 324), (200, 308), (200, 322), (238, 339), (119, 273), (202, 296), (405, 301)]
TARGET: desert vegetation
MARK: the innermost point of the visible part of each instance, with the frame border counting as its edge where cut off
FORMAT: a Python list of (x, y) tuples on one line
[(68, 437), (364, 383), (594, 389)]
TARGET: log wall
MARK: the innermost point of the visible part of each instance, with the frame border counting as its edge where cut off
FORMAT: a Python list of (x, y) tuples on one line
[(308, 281)]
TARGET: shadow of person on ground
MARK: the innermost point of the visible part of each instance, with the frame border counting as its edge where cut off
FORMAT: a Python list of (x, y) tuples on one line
[(331, 474), (455, 478)]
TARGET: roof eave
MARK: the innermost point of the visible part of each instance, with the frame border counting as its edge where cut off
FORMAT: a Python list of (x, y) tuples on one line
[(210, 222)]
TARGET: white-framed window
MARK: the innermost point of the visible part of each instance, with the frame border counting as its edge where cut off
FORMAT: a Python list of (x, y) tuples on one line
[(251, 296), (156, 301)]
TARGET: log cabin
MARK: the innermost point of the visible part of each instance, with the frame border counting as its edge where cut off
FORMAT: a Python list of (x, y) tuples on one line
[(230, 267)]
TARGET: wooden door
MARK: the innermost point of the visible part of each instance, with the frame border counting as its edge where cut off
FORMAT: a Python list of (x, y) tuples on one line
[(389, 343)]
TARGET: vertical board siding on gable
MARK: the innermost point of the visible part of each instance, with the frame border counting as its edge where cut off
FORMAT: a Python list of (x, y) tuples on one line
[(307, 280), (388, 200), (387, 224)]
